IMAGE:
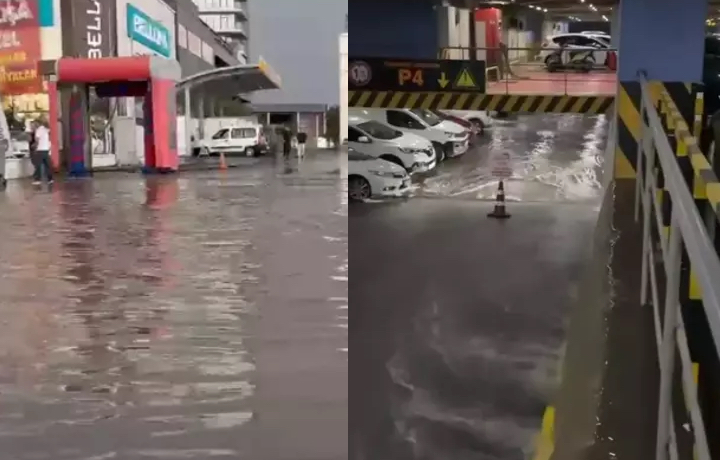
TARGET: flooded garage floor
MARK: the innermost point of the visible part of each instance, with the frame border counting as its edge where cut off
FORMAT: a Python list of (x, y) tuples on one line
[(458, 320)]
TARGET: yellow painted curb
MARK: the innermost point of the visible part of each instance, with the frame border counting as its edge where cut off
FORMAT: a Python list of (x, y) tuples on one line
[(545, 441)]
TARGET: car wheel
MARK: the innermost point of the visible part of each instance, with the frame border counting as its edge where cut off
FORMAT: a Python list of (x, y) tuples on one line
[(249, 152), (359, 189), (439, 152), (205, 152), (478, 125), (393, 159)]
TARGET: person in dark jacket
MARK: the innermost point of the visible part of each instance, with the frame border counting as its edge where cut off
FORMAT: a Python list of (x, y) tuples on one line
[(301, 140), (287, 142)]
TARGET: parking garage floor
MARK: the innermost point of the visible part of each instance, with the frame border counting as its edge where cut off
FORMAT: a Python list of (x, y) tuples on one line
[(199, 316), (459, 321)]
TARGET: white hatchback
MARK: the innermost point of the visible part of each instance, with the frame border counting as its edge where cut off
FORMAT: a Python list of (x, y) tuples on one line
[(414, 153), (577, 41), (370, 177)]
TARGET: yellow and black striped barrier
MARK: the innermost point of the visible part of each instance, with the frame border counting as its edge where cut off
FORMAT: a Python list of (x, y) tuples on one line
[(512, 103), (687, 98)]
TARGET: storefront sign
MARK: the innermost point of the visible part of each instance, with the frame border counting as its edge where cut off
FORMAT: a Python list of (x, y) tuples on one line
[(19, 47), (148, 32), (90, 33)]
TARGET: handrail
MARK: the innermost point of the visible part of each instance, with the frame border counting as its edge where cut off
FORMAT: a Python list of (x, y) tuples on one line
[(686, 226), (700, 248)]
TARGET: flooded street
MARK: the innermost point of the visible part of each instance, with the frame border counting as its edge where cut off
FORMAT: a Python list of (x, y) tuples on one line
[(198, 316)]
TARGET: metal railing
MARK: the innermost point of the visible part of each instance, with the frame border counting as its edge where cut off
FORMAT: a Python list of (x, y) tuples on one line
[(524, 70), (687, 229)]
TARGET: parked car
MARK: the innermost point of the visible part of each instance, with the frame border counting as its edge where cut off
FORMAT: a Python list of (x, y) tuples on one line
[(479, 120), (370, 177), (577, 41), (248, 140), (448, 138), (412, 152)]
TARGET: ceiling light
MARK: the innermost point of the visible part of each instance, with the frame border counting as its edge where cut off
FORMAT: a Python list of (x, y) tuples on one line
[(605, 18), (545, 10)]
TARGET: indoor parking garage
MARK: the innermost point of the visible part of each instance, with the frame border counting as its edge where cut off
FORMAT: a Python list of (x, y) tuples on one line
[(586, 323)]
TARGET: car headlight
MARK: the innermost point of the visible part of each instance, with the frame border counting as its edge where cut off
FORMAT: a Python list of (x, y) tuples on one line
[(409, 150), (382, 173)]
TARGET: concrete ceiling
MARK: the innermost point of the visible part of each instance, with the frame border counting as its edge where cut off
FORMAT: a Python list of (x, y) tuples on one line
[(567, 8)]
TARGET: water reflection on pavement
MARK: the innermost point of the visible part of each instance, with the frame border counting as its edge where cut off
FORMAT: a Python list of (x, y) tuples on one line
[(191, 317)]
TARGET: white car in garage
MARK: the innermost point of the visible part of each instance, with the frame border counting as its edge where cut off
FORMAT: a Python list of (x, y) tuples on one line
[(414, 153), (448, 138), (370, 177), (598, 44)]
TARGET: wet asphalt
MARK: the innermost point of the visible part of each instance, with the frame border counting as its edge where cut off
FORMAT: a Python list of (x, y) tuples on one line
[(459, 321), (201, 316)]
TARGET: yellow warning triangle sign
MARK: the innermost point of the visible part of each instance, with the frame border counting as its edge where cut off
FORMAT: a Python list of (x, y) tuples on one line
[(465, 80)]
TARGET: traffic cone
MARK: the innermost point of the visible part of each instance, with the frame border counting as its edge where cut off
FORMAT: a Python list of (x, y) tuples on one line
[(500, 212), (223, 163)]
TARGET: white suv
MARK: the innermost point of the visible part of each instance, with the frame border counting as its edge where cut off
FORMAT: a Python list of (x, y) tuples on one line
[(412, 152)]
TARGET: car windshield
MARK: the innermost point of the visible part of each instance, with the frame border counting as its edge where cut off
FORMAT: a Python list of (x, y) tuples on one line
[(603, 40), (427, 116), (378, 130), (354, 155), (220, 134)]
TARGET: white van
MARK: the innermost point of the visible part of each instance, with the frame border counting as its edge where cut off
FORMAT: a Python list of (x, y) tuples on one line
[(448, 138), (412, 152), (247, 139)]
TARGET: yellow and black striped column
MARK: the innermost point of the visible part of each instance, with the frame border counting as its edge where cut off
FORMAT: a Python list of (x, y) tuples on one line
[(628, 129)]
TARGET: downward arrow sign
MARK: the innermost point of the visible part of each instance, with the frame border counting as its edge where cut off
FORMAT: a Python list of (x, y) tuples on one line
[(443, 81)]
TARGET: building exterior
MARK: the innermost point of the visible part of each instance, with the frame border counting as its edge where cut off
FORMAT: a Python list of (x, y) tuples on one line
[(229, 19), (199, 48), (307, 118)]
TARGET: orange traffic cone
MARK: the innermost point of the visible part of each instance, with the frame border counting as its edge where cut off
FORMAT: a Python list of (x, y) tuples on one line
[(500, 212), (223, 163)]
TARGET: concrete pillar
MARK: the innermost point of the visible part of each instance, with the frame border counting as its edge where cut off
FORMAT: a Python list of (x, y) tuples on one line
[(201, 114), (212, 107), (615, 26), (187, 118), (675, 60), (682, 58)]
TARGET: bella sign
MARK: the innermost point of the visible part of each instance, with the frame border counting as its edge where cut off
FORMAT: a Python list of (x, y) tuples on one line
[(142, 29)]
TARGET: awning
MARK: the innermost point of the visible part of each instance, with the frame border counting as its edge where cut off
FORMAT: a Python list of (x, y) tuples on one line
[(234, 80)]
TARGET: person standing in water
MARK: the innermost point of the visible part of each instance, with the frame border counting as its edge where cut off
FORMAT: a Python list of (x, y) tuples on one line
[(40, 154), (301, 140), (287, 142)]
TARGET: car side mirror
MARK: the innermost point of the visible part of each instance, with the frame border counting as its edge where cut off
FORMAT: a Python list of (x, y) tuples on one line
[(364, 140)]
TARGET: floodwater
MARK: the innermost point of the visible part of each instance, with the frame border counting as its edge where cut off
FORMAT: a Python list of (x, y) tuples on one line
[(199, 316), (460, 319), (554, 158)]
